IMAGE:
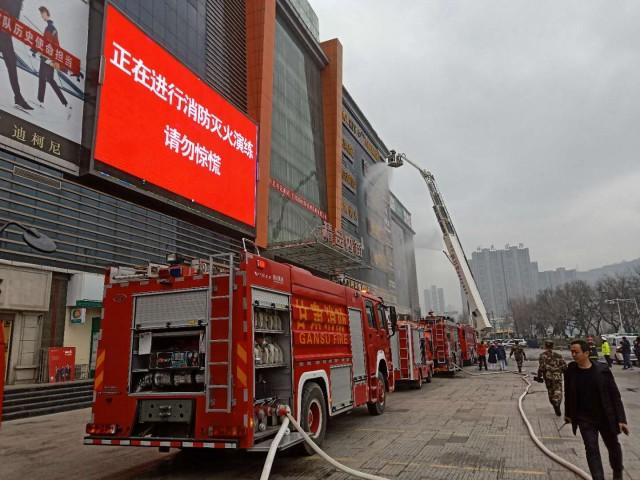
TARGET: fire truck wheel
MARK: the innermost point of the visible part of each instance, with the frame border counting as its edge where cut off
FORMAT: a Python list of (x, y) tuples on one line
[(429, 375), (417, 384), (377, 407), (313, 415)]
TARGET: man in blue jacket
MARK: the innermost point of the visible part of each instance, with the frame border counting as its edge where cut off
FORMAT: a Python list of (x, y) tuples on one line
[(593, 404)]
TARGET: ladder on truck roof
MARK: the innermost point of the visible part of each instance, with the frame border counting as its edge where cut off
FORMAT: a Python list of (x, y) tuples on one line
[(439, 334), (218, 375), (405, 365)]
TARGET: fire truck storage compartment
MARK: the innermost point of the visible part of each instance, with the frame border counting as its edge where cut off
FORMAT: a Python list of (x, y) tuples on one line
[(168, 342), (357, 345), (341, 389), (164, 417), (395, 350), (272, 356), (168, 360), (418, 345)]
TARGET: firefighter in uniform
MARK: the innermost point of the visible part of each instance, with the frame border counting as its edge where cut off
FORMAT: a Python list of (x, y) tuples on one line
[(550, 371), (520, 356)]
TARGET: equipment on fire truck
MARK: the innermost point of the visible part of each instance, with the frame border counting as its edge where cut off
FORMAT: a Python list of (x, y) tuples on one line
[(454, 247)]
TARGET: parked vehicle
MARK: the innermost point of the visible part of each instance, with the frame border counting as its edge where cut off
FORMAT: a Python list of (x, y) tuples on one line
[(411, 354), (468, 343), (207, 355), (447, 354), (616, 349)]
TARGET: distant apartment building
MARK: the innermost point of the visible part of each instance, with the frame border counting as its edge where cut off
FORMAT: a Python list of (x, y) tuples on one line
[(434, 300), (503, 275), (551, 279)]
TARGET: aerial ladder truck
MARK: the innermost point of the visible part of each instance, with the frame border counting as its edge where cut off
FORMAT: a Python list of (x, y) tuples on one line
[(454, 252)]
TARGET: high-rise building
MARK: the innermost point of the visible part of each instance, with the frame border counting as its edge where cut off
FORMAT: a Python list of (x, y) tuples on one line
[(503, 275), (434, 300)]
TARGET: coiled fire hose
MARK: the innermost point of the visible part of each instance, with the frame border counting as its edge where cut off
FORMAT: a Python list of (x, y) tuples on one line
[(289, 419), (556, 458), (266, 470)]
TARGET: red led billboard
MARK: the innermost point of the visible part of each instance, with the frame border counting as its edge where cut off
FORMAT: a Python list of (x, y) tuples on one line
[(159, 122)]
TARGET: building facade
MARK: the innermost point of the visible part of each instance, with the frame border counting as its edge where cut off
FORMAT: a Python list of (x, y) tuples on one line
[(404, 260), (318, 196)]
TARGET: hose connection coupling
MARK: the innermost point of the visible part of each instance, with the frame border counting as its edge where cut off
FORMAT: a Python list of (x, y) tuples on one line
[(283, 410)]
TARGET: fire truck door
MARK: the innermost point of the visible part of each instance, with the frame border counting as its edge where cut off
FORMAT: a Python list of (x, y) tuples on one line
[(357, 345), (372, 336)]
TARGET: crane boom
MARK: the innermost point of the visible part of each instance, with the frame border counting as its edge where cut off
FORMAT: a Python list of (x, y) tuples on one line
[(452, 243)]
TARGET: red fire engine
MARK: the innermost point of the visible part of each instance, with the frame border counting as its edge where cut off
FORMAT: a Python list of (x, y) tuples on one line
[(468, 343), (206, 355), (411, 354), (447, 355)]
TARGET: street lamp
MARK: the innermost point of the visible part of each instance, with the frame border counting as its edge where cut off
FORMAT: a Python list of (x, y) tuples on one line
[(32, 237), (617, 301)]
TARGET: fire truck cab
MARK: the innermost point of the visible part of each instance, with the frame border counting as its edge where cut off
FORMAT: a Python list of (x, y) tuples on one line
[(208, 355), (411, 354)]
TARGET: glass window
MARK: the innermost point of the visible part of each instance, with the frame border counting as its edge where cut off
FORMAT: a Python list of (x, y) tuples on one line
[(297, 143), (370, 314), (383, 316)]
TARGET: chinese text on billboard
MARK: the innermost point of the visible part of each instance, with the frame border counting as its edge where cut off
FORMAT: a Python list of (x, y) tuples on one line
[(159, 122)]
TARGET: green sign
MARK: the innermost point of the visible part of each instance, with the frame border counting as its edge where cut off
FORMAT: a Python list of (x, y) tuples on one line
[(88, 304)]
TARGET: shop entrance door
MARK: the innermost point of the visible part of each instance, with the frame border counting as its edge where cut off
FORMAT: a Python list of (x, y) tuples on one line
[(28, 328)]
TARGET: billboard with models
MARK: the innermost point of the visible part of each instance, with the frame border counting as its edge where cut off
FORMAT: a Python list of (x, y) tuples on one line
[(43, 44)]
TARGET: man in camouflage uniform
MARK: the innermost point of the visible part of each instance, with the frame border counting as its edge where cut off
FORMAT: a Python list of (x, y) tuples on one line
[(550, 370), (520, 356)]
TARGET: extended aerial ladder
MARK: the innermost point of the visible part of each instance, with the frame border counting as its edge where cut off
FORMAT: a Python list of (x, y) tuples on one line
[(455, 253)]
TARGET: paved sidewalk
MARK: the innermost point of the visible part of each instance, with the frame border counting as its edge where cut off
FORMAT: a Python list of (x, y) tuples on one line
[(454, 428)]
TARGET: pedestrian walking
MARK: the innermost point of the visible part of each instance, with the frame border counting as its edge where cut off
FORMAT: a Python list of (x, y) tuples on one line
[(517, 352), (593, 350), (636, 350), (502, 356), (625, 349), (605, 349), (482, 356), (493, 356), (551, 367), (593, 405)]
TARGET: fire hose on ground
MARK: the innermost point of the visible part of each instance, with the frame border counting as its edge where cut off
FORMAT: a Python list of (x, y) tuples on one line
[(288, 419), (266, 470), (556, 458)]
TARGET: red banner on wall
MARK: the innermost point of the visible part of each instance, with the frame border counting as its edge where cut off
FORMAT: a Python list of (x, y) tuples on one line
[(299, 199), (159, 122), (36, 41)]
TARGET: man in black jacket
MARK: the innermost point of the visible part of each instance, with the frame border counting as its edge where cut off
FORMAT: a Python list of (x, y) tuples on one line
[(593, 404)]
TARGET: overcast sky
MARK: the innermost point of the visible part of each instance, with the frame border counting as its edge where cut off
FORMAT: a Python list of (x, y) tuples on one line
[(527, 113)]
